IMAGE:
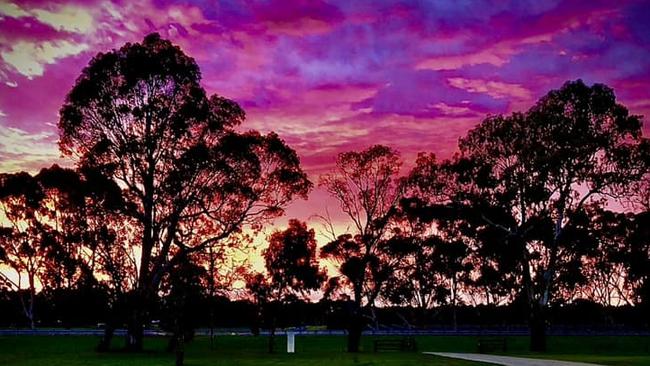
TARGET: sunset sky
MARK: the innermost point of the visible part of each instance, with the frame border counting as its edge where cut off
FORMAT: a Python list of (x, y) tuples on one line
[(330, 76)]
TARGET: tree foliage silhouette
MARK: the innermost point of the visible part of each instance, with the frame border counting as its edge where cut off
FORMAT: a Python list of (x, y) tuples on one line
[(23, 244), (292, 268), (53, 238), (525, 181), (433, 254), (368, 188), (140, 115)]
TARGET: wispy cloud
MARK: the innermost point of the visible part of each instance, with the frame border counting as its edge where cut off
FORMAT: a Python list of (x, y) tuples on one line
[(330, 76), (29, 59), (20, 150)]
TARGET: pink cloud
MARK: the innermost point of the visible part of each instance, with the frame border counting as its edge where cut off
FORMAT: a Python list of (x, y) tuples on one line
[(334, 76), (493, 88), (28, 29), (497, 55), (297, 17)]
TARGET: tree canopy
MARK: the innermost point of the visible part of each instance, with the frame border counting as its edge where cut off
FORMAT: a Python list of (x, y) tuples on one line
[(527, 181), (368, 188), (190, 180)]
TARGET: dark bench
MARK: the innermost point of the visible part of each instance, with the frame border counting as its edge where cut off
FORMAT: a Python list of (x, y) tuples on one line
[(395, 344), (486, 345)]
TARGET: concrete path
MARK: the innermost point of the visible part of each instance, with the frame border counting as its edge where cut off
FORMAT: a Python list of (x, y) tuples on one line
[(507, 360)]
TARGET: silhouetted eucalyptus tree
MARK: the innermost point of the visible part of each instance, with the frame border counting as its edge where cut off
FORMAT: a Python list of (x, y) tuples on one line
[(608, 275), (622, 261), (639, 242), (23, 242), (139, 114), (293, 270), (50, 238), (638, 256), (525, 180), (433, 253), (368, 188)]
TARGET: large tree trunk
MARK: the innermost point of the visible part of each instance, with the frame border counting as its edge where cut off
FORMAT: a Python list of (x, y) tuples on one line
[(356, 320), (537, 325), (270, 311), (29, 313), (112, 322), (176, 344), (355, 327), (135, 335), (135, 328), (536, 315), (105, 343), (28, 309), (272, 339), (454, 317), (180, 350), (453, 305)]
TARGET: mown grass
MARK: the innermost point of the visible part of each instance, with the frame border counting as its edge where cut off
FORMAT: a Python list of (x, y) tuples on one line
[(310, 351)]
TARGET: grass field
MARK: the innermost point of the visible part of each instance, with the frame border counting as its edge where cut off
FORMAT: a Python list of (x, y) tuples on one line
[(310, 351)]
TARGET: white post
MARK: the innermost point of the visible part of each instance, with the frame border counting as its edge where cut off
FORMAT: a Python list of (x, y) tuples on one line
[(291, 342)]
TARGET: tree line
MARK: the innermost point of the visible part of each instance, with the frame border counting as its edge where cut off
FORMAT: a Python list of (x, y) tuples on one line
[(544, 206), (88, 307)]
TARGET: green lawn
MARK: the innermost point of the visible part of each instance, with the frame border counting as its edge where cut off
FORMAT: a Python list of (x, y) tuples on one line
[(310, 351)]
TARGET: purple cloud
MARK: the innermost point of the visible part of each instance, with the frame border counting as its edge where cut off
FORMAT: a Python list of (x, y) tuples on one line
[(331, 76)]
